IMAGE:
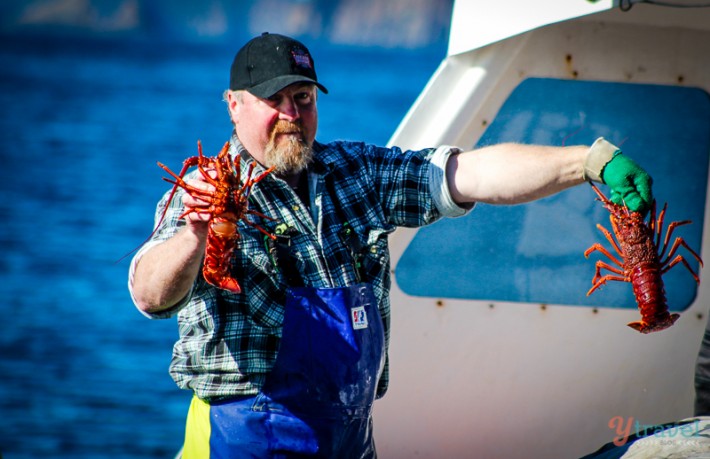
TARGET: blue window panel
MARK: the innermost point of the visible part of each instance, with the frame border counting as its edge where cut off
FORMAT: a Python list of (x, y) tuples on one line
[(534, 252)]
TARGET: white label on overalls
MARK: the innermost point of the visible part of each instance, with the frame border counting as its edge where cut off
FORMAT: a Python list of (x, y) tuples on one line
[(359, 317)]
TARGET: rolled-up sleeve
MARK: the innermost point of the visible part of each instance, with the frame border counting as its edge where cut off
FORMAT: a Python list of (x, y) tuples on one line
[(439, 185)]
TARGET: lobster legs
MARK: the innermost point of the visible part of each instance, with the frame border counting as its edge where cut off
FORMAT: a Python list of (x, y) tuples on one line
[(625, 276)]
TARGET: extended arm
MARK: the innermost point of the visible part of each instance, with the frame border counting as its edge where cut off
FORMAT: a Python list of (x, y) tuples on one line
[(512, 173)]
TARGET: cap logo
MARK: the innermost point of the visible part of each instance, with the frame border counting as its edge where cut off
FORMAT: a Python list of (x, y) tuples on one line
[(301, 58)]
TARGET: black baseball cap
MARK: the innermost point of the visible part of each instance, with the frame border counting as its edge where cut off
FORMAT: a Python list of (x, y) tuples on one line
[(269, 63)]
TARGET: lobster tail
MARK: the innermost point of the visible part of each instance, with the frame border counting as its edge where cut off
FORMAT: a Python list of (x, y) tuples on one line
[(657, 324), (222, 240)]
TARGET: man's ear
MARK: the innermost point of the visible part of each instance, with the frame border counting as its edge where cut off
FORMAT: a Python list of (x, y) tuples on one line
[(233, 105)]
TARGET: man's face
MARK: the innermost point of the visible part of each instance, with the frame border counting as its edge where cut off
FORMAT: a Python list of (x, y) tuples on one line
[(278, 131)]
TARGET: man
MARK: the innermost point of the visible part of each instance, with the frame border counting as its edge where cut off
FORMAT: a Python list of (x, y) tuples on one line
[(292, 364)]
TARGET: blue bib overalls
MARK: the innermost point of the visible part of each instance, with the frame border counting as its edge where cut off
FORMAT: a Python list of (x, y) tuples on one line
[(317, 401)]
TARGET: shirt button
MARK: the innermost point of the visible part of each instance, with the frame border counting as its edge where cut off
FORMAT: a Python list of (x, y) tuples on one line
[(373, 249), (295, 208)]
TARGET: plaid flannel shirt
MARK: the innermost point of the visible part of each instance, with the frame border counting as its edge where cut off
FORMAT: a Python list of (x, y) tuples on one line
[(228, 343)]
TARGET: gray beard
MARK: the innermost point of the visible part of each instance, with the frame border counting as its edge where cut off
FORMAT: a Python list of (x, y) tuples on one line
[(290, 159)]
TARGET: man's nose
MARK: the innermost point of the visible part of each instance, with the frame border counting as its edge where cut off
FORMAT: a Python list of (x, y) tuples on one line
[(289, 109)]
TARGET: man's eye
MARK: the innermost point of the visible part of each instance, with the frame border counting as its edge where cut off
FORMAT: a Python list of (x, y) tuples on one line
[(303, 97), (275, 98)]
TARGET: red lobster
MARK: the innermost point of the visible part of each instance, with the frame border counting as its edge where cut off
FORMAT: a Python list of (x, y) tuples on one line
[(227, 204), (643, 263)]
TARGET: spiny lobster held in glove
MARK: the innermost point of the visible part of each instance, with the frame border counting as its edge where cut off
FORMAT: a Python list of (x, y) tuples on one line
[(641, 260), (227, 204)]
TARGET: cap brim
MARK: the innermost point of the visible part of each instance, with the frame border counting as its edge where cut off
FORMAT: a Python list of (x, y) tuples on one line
[(274, 85)]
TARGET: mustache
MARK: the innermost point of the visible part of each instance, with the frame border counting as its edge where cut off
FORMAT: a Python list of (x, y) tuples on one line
[(284, 127)]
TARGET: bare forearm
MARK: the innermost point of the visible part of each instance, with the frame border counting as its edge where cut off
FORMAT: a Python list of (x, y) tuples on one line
[(166, 272), (513, 173)]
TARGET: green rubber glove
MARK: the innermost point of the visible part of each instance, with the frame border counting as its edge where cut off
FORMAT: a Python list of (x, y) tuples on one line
[(630, 185)]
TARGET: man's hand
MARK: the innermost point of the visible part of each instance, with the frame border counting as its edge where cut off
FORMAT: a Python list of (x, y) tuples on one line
[(630, 185), (196, 219)]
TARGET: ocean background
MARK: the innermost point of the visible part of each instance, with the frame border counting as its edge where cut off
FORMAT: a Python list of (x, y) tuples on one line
[(85, 117)]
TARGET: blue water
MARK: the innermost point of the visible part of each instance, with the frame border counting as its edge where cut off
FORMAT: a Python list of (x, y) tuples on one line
[(82, 373)]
